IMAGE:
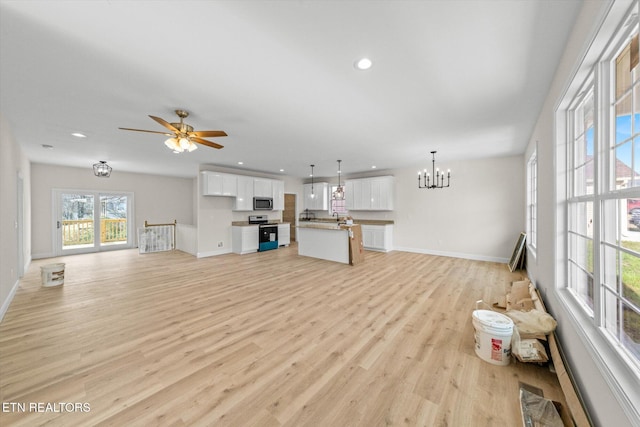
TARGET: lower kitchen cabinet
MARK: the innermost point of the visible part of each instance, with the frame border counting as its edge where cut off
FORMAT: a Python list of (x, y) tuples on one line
[(244, 239), (284, 234), (377, 237)]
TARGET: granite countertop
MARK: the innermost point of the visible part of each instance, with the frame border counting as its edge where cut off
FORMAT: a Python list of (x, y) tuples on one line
[(320, 221), (355, 221), (246, 223), (325, 225)]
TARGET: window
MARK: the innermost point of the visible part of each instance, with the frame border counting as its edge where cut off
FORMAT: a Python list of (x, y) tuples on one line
[(338, 206), (532, 202), (603, 195), (581, 198), (620, 235)]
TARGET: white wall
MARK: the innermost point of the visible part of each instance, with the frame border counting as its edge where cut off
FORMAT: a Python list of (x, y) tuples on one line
[(157, 199), (13, 166), (480, 216), (215, 214), (593, 385)]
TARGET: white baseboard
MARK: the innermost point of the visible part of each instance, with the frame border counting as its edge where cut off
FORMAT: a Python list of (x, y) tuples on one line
[(6, 303), (474, 257), (213, 253), (42, 256)]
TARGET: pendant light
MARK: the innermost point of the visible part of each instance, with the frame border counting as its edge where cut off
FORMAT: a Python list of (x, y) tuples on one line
[(339, 193), (312, 194)]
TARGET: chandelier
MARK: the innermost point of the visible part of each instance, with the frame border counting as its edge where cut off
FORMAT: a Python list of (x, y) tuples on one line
[(339, 193), (102, 169), (438, 181)]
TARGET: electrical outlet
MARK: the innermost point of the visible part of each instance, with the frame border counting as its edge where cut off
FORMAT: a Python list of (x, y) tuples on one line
[(220, 244)]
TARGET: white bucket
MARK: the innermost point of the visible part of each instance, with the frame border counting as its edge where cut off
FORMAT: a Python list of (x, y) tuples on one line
[(52, 274), (493, 336)]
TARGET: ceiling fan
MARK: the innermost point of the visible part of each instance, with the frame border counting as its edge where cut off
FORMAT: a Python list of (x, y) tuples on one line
[(182, 136)]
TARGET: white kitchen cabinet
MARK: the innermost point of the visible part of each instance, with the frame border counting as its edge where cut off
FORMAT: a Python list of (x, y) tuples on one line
[(320, 201), (218, 184), (377, 237), (381, 193), (244, 239), (370, 194), (284, 234), (262, 187), (244, 196), (278, 195), (348, 190)]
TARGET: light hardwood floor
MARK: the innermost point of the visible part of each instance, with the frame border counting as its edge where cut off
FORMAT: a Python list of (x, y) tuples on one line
[(266, 339)]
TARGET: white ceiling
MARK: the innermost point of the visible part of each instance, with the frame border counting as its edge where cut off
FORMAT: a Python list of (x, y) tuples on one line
[(466, 78)]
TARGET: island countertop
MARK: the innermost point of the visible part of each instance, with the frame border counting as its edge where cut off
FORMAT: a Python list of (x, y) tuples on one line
[(355, 221)]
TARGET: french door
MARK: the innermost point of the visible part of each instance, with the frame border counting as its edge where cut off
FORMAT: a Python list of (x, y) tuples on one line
[(90, 221)]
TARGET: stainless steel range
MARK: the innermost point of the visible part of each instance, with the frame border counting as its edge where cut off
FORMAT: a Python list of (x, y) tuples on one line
[(267, 233)]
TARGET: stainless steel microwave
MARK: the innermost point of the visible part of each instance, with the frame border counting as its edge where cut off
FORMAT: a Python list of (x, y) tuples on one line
[(263, 203)]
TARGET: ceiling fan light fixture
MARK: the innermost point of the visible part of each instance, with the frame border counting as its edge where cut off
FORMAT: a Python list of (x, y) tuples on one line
[(172, 144), (184, 138)]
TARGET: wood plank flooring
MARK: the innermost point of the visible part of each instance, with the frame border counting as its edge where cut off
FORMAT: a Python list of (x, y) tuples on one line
[(266, 339)]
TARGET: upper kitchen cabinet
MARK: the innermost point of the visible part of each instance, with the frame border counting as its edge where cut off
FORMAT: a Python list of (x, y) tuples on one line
[(262, 187), (278, 195), (219, 184), (320, 199), (244, 197), (370, 194), (243, 188)]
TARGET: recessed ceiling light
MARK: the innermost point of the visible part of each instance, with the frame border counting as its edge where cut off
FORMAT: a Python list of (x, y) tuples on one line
[(373, 167), (241, 163), (79, 135), (281, 170), (363, 64), (47, 146)]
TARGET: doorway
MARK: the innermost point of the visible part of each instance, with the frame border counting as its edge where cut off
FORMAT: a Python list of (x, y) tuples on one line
[(89, 221), (20, 225), (289, 213)]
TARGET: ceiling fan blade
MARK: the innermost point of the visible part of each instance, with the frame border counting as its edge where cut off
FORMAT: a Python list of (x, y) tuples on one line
[(150, 131), (205, 142), (207, 133), (165, 124)]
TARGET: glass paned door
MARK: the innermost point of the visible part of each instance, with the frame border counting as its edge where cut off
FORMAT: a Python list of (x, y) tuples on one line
[(113, 220), (76, 223), (92, 221)]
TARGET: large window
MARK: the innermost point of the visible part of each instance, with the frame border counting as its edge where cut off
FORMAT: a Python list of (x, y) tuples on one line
[(620, 235), (603, 195)]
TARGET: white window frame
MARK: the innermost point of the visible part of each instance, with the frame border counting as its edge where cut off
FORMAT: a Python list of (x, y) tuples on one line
[(620, 370), (333, 203), (532, 203)]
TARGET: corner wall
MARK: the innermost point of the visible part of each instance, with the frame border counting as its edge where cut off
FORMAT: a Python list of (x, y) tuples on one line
[(14, 166), (157, 199)]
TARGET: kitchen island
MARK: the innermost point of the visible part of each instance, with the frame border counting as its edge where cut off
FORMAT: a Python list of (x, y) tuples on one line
[(330, 241)]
